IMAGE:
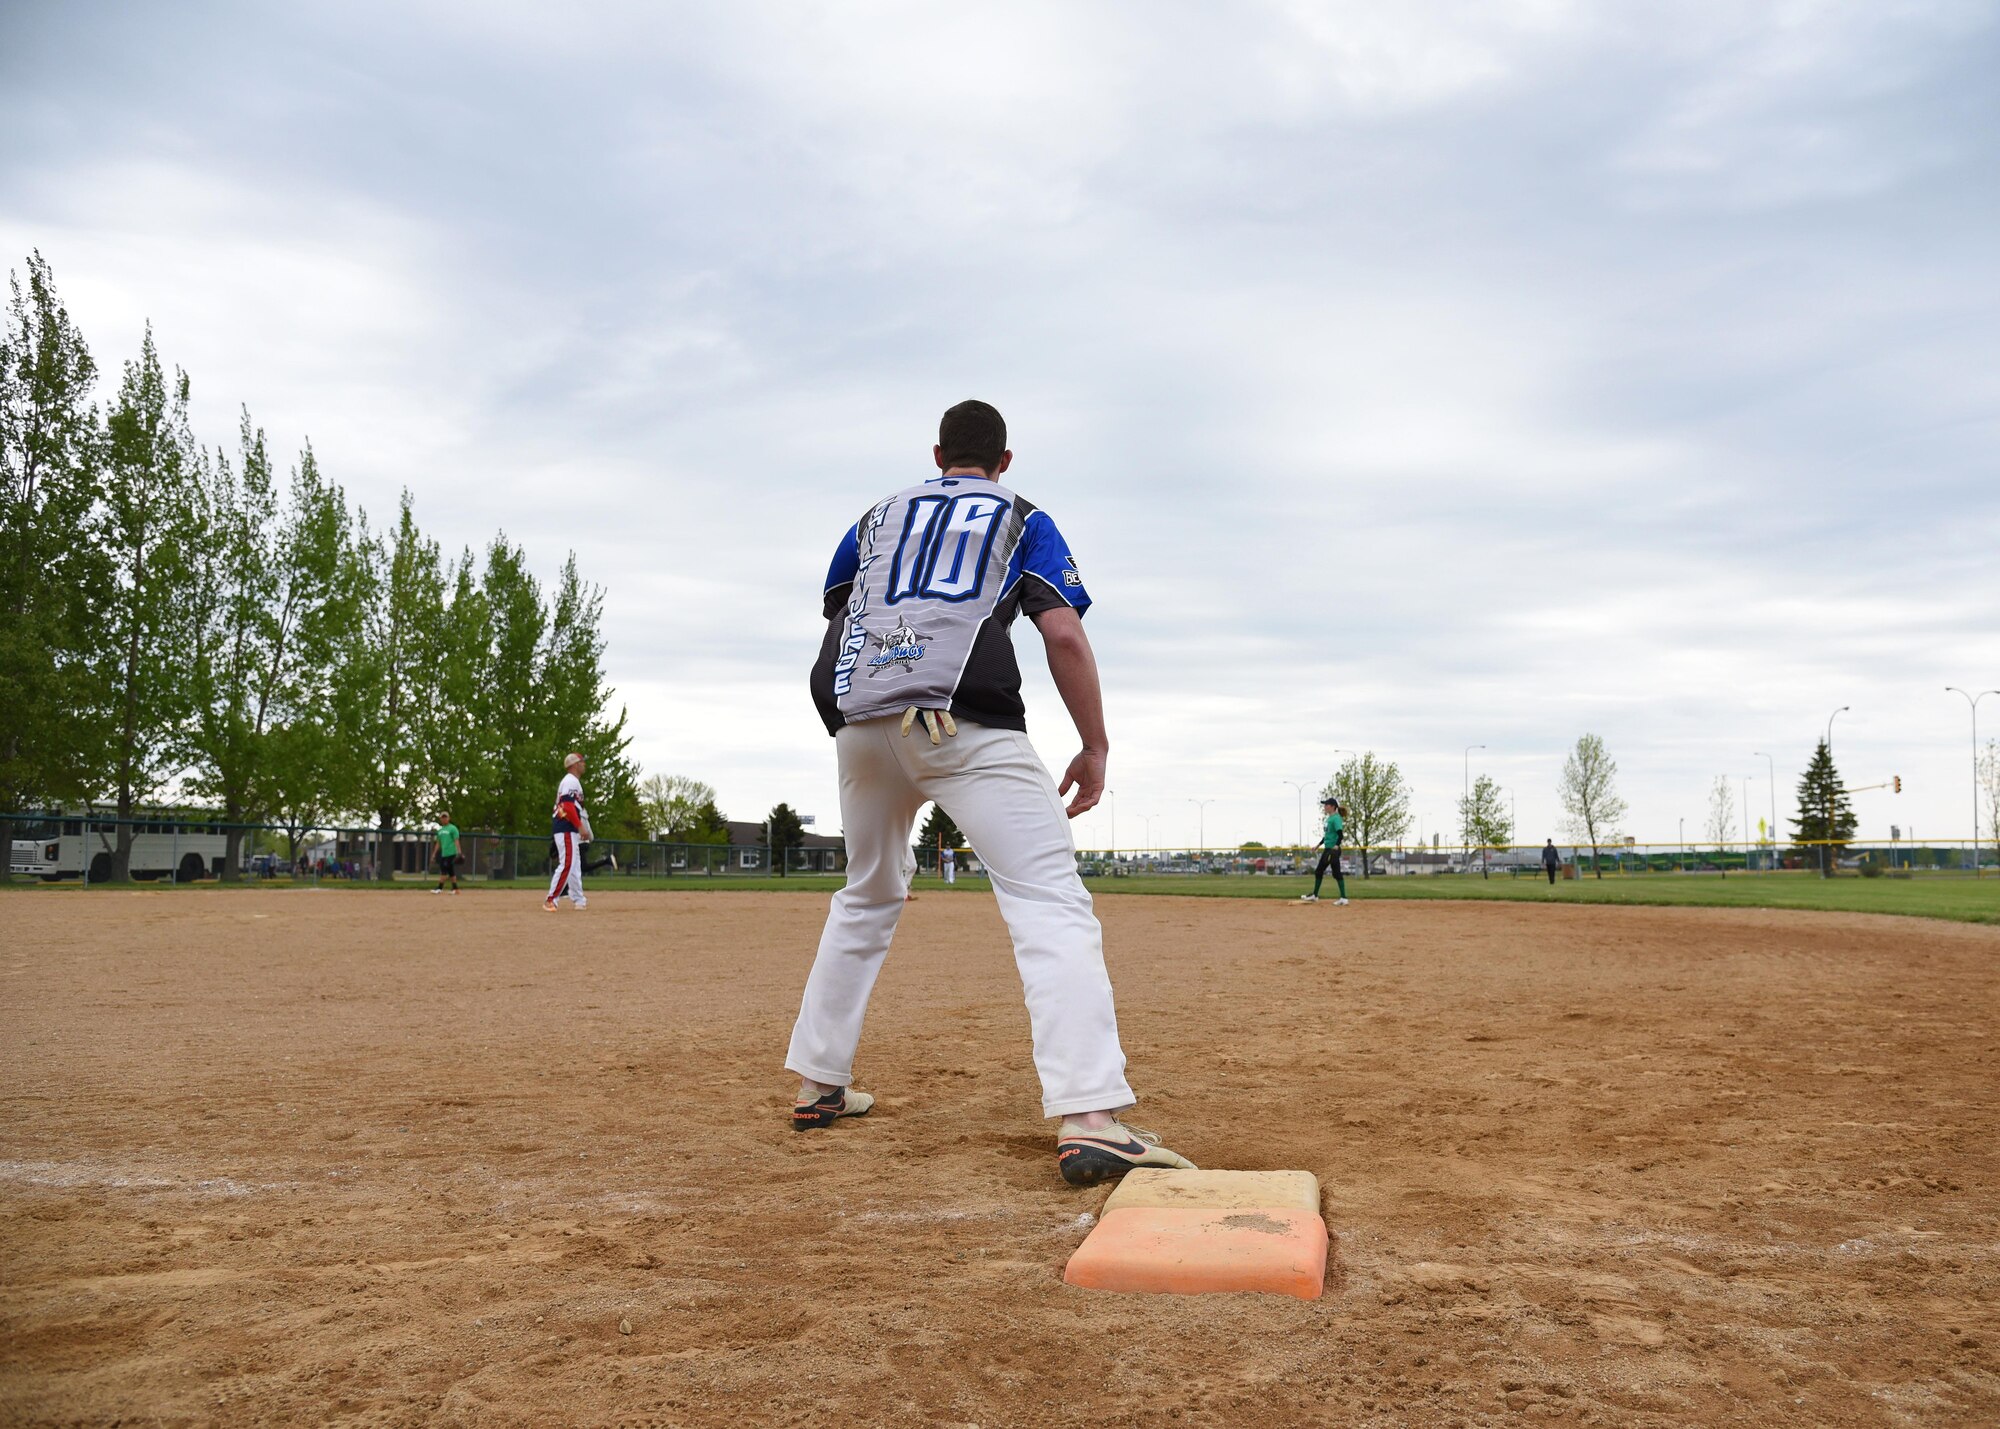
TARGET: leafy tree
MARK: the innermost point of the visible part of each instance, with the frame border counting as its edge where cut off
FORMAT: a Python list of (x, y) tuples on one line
[(939, 832), (1825, 820), (267, 574), (455, 763), (672, 807), (1589, 794), (578, 701), (315, 764), (1989, 788), (787, 832), (396, 580), (150, 495), (54, 580), (1375, 801), (513, 710), (676, 809), (1483, 815), (1721, 816)]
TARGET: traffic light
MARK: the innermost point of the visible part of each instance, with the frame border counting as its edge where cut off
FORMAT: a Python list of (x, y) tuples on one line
[(1896, 783)]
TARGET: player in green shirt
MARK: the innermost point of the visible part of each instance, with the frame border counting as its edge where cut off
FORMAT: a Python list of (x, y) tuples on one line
[(447, 849), (1336, 827)]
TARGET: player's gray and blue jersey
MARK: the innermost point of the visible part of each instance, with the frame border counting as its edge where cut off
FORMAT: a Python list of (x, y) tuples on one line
[(920, 598)]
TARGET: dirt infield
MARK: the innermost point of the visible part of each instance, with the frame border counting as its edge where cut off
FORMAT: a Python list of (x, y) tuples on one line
[(386, 1159)]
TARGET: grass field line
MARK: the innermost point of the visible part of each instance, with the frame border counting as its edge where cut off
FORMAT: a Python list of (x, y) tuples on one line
[(1955, 898)]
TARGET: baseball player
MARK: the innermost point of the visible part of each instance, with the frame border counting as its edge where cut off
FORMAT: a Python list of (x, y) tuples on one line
[(447, 852), (569, 825), (1336, 827), (949, 859), (919, 602)]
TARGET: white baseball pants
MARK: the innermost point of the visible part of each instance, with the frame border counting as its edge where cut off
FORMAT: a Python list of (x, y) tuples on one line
[(568, 876), (994, 787)]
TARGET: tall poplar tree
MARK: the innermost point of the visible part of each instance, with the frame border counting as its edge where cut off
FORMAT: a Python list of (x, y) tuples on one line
[(525, 759), (319, 756), (578, 698), (53, 579), (456, 748), (150, 530), (396, 583), (269, 570)]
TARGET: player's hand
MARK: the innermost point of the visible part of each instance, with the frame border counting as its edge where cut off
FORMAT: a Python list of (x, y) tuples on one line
[(1085, 775)]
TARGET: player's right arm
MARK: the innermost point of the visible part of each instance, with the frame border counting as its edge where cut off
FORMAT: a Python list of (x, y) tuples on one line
[(1073, 665)]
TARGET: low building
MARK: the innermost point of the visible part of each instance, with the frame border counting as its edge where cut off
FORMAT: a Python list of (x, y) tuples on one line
[(749, 852)]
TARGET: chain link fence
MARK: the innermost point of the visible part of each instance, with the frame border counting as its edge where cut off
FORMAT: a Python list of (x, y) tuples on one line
[(1867, 859), (180, 847), (177, 847)]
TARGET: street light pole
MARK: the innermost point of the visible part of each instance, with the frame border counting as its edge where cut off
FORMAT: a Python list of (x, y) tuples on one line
[(1465, 804), (1973, 700), (1826, 848), (1302, 808), (1201, 821), (1774, 805), (1112, 795), (1684, 845), (1746, 821)]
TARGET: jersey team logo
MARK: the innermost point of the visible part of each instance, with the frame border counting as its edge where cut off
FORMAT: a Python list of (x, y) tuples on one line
[(901, 648)]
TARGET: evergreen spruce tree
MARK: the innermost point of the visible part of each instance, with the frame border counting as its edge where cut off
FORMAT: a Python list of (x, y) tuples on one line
[(938, 833), (1825, 820), (787, 832)]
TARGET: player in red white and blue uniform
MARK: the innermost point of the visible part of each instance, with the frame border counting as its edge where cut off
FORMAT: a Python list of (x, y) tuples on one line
[(569, 826)]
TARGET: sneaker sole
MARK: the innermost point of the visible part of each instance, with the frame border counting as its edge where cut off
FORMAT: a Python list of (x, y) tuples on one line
[(1089, 1166), (818, 1120)]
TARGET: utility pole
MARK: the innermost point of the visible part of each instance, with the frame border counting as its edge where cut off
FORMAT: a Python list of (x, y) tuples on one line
[(1774, 806), (1974, 700), (1302, 809), (1465, 805), (1201, 821), (1826, 846)]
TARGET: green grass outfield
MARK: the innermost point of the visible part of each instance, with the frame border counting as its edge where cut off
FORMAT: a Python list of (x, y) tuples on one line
[(1961, 899)]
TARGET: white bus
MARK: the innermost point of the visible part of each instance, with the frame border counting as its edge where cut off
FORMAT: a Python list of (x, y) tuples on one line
[(58, 848)]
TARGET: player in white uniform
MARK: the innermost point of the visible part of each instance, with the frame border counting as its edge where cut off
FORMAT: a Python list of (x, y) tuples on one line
[(919, 601), (950, 861), (569, 826)]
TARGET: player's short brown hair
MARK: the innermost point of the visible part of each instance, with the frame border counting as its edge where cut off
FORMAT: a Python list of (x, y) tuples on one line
[(973, 434)]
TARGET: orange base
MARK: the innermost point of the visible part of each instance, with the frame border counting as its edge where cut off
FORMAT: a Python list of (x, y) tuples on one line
[(1197, 1252)]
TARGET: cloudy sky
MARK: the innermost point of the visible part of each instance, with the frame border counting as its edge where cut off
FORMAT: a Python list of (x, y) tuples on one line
[(1405, 376)]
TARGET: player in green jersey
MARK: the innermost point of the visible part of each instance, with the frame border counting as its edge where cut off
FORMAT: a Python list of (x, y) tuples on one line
[(447, 851), (1336, 827)]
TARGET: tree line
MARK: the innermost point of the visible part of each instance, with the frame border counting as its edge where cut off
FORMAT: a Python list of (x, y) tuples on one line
[(1375, 800), (191, 622)]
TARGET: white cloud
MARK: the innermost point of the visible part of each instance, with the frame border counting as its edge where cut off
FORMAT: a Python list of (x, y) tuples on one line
[(1406, 377)]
